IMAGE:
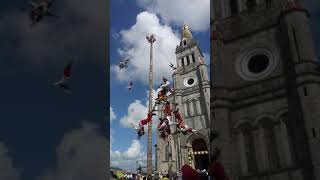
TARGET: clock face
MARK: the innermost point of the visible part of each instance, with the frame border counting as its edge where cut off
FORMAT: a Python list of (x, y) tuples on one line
[(189, 81), (256, 64)]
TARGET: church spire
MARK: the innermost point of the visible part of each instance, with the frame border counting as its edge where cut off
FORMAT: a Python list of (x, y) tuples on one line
[(186, 33)]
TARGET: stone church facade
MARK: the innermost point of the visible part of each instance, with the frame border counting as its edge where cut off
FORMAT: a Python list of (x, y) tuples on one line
[(266, 91), (192, 94)]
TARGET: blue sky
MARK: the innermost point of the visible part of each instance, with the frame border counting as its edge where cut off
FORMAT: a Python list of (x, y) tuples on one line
[(43, 131), (130, 22)]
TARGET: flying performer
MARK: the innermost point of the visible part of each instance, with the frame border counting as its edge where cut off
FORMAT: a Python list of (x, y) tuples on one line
[(63, 83), (130, 86), (40, 10), (140, 130), (123, 63)]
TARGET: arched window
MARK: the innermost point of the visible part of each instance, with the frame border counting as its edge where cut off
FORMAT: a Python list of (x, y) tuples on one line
[(251, 5), (268, 3), (271, 146), (195, 109), (193, 58), (188, 60), (182, 61), (184, 42), (199, 106), (234, 7), (187, 109), (250, 150)]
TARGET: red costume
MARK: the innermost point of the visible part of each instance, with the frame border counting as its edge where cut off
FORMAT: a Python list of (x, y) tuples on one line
[(67, 70), (146, 121), (180, 124), (164, 128), (167, 109), (143, 122), (178, 117)]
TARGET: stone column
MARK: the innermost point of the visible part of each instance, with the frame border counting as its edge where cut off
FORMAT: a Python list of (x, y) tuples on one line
[(242, 154), (261, 149), (285, 143)]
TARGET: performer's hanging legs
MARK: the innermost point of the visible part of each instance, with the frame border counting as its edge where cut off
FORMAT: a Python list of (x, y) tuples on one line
[(144, 122)]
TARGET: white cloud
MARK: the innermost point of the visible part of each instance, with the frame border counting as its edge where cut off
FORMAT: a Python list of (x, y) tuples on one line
[(81, 155), (138, 110), (7, 171), (127, 159), (113, 116), (134, 150), (196, 13), (136, 47)]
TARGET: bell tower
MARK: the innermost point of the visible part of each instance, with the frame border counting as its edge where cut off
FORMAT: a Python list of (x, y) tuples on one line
[(191, 81), (191, 86), (266, 89)]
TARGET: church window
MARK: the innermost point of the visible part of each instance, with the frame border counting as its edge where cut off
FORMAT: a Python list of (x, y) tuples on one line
[(195, 109), (314, 134), (305, 91), (193, 59), (251, 5), (184, 42), (271, 145), (268, 3), (190, 81), (199, 106), (258, 63), (182, 61), (296, 42), (234, 7), (188, 109), (188, 60), (250, 151)]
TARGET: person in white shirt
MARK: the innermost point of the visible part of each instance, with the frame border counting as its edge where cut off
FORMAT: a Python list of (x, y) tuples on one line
[(165, 86)]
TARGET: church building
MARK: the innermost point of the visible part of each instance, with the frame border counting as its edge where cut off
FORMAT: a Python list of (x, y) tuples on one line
[(192, 94)]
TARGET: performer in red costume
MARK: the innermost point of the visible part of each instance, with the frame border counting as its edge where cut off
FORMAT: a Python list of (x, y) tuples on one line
[(180, 124), (142, 122)]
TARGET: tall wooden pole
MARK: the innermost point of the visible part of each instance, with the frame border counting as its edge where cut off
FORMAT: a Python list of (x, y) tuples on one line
[(151, 39)]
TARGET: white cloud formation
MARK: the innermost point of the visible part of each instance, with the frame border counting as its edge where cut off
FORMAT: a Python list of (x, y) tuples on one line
[(134, 150), (113, 116), (127, 159), (196, 13), (7, 171), (81, 155), (136, 47), (138, 110)]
